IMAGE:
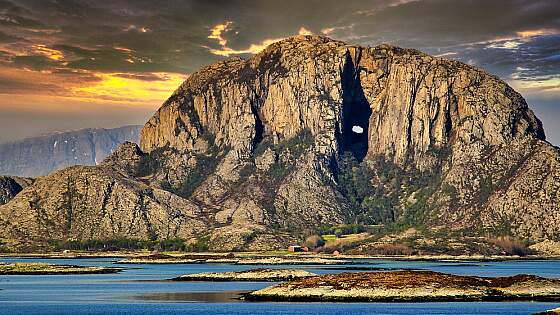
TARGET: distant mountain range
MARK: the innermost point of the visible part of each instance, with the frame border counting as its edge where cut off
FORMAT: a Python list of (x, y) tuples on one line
[(42, 155)]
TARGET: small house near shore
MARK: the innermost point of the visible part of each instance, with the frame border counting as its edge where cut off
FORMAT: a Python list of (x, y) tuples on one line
[(297, 248)]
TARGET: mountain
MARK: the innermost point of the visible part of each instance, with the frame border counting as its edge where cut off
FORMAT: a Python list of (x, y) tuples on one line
[(41, 155), (312, 132)]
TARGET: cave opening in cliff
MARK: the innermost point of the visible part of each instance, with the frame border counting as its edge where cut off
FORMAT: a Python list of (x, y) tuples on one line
[(356, 113), (259, 127)]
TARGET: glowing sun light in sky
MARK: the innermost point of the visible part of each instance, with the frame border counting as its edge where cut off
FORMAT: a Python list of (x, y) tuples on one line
[(113, 86)]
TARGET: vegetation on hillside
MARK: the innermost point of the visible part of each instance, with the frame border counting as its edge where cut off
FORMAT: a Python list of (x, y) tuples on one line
[(384, 193), (175, 244)]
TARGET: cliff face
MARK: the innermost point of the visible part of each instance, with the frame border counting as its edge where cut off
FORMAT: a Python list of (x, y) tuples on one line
[(41, 155), (313, 131), (11, 186)]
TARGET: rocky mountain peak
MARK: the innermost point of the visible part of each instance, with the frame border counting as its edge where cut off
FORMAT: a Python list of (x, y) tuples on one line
[(257, 153), (433, 101)]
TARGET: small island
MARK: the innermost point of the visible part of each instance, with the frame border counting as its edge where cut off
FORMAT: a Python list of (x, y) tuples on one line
[(555, 311), (260, 274), (49, 269), (410, 286), (234, 259)]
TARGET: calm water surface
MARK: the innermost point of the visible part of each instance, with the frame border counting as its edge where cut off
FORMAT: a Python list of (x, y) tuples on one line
[(140, 289)]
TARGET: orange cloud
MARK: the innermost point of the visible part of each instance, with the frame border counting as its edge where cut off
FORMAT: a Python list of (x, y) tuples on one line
[(126, 88), (253, 49), (216, 33), (50, 53), (537, 32), (217, 30)]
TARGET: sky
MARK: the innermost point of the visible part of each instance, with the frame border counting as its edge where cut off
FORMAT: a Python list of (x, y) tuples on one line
[(85, 63)]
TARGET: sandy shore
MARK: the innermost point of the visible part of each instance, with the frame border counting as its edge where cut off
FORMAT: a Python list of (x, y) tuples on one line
[(411, 286)]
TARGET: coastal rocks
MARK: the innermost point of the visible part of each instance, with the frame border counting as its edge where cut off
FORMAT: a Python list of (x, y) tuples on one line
[(273, 275), (293, 261), (547, 247), (550, 312), (194, 258), (218, 258), (407, 286), (49, 269)]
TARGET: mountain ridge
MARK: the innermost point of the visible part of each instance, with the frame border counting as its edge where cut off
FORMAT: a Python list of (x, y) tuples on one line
[(37, 156)]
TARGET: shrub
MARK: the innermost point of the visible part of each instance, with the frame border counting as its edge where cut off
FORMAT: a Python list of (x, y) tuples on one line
[(510, 245), (201, 245), (314, 241), (342, 229), (175, 244), (206, 164), (151, 162), (3, 248), (389, 250)]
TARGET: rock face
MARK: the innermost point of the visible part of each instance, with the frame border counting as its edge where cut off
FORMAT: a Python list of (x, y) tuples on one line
[(86, 202), (11, 186), (41, 155), (254, 154)]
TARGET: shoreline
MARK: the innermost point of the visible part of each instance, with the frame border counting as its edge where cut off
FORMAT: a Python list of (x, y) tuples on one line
[(261, 257), (248, 297)]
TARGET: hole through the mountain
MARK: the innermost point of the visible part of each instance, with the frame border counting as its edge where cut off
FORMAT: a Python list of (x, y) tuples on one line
[(357, 129), (356, 112)]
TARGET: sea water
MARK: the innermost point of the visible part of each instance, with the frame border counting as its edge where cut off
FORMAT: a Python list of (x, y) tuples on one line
[(143, 289)]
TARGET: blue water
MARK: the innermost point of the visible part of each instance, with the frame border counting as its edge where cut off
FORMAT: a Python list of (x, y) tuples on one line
[(140, 290)]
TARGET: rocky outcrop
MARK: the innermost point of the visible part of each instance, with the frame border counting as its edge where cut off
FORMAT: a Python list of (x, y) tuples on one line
[(86, 202), (273, 275), (10, 186), (255, 154), (48, 269), (42, 155), (410, 286)]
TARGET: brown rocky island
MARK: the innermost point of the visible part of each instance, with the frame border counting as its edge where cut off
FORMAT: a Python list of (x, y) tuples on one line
[(411, 286), (49, 269), (262, 274)]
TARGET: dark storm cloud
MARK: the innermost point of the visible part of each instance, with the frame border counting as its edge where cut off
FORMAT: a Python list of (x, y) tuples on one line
[(19, 21), (439, 23), (5, 38), (33, 62), (172, 35)]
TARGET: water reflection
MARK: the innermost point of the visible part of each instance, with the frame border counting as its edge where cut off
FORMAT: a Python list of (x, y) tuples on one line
[(208, 297)]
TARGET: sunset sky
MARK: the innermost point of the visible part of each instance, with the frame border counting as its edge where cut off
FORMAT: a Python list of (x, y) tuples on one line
[(77, 64)]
